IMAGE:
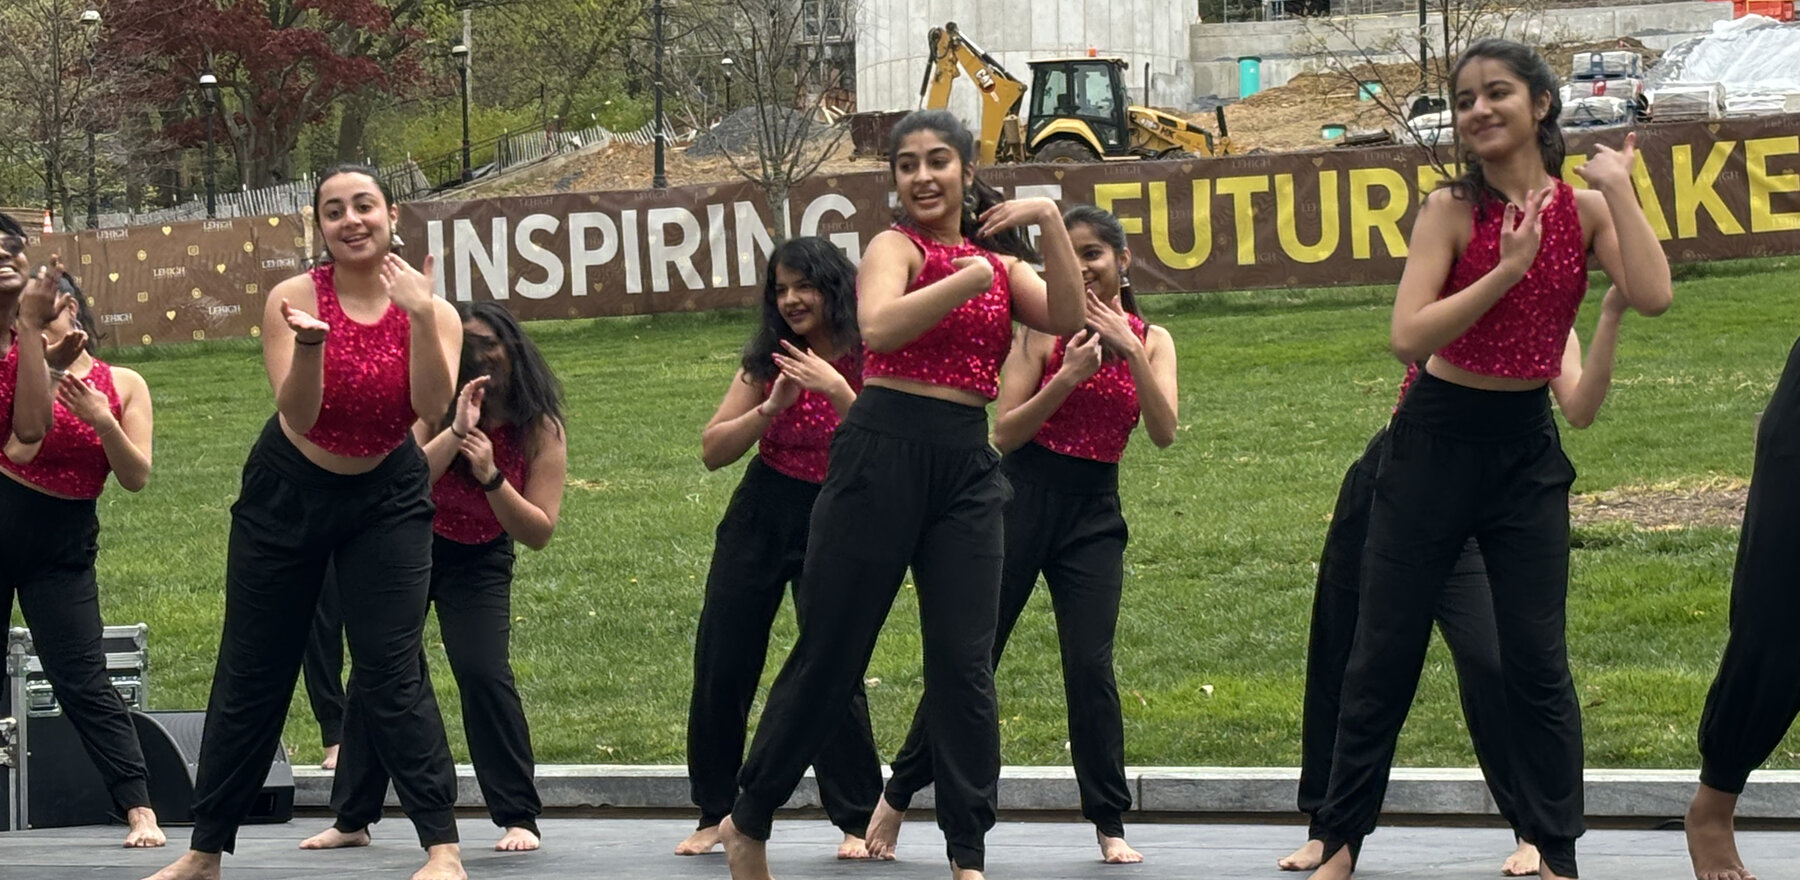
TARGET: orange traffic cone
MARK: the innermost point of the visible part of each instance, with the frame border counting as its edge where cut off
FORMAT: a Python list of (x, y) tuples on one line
[(49, 227)]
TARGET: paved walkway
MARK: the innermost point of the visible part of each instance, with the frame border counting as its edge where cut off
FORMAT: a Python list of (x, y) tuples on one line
[(639, 849)]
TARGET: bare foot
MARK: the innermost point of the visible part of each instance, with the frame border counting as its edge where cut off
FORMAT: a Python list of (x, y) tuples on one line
[(853, 848), (518, 839), (331, 838), (699, 843), (746, 859), (960, 873), (193, 865), (442, 862), (1339, 868), (1115, 851), (330, 762), (884, 829), (144, 832), (1710, 840), (1305, 858), (1524, 862)]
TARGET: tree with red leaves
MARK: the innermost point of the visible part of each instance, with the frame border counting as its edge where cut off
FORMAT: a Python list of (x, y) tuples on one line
[(280, 66)]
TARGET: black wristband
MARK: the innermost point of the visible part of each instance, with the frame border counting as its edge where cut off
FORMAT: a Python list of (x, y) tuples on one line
[(304, 342), (460, 435), (495, 483)]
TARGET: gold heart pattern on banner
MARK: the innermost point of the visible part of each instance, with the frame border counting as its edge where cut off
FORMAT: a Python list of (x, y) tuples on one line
[(183, 281)]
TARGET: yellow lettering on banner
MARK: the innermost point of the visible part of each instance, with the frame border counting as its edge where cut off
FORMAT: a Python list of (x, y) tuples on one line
[(1640, 182), (1429, 177), (1763, 216), (1160, 223), (1106, 194), (1696, 190), (1241, 189), (1385, 219), (1285, 226)]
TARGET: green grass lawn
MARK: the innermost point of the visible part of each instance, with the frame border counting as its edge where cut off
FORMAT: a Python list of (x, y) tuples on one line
[(1279, 392)]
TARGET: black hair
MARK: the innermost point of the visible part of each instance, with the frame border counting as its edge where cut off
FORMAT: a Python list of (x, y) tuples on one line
[(9, 226), (84, 317), (368, 171), (1108, 229), (533, 393), (978, 196), (1531, 68), (832, 275)]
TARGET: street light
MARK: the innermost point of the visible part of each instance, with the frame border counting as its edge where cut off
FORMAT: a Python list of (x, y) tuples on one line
[(461, 53), (209, 95), (90, 22), (725, 64), (658, 179)]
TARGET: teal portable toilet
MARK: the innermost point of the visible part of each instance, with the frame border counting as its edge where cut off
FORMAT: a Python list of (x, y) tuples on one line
[(1249, 76)]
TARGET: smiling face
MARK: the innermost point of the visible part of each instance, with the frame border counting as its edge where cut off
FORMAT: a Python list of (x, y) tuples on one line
[(487, 355), (798, 301), (355, 218), (930, 178), (1496, 113), (1101, 266), (12, 266)]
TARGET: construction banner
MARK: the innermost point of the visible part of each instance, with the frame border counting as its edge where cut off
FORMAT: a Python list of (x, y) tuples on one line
[(1330, 217), (1712, 190)]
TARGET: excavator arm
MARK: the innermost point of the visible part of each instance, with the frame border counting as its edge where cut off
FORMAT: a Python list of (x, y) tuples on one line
[(1001, 92)]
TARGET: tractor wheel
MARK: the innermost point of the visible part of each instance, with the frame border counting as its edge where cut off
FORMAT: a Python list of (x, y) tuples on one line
[(1065, 151)]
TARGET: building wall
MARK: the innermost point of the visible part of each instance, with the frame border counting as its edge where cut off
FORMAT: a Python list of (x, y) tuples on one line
[(891, 49), (1288, 47)]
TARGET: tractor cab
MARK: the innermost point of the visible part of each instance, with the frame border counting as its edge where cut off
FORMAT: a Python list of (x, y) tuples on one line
[(1080, 101)]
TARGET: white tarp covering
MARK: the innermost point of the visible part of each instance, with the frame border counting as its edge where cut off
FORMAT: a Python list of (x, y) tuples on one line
[(1754, 60)]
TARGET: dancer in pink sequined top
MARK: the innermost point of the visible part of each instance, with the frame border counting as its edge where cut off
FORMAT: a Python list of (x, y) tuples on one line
[(1066, 409), (335, 480), (912, 483), (1494, 274), (67, 420), (801, 371)]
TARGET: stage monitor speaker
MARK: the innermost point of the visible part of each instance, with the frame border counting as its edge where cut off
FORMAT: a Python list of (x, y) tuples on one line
[(65, 788)]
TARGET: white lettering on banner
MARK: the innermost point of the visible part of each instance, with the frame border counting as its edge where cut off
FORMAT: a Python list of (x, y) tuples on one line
[(849, 242), (715, 240), (752, 241), (473, 254), (538, 256), (681, 254), (434, 245), (634, 271), (581, 257)]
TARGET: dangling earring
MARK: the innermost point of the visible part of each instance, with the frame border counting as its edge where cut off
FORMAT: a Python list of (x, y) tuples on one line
[(394, 241), (968, 204)]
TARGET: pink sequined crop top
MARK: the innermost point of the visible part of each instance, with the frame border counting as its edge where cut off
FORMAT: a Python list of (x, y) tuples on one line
[(964, 349), (365, 406), (1095, 421), (796, 441), (1522, 336), (71, 461), (463, 512)]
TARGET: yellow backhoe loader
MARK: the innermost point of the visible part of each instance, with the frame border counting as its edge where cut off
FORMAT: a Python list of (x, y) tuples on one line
[(1079, 110)]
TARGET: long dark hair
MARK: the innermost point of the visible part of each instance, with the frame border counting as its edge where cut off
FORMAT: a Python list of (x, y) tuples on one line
[(979, 196), (820, 262), (1108, 229), (533, 393), (84, 317), (1531, 68), (387, 199)]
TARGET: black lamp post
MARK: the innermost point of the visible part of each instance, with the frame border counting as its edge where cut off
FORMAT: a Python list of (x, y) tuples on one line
[(209, 95), (461, 53), (90, 22), (658, 179), (725, 64)]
